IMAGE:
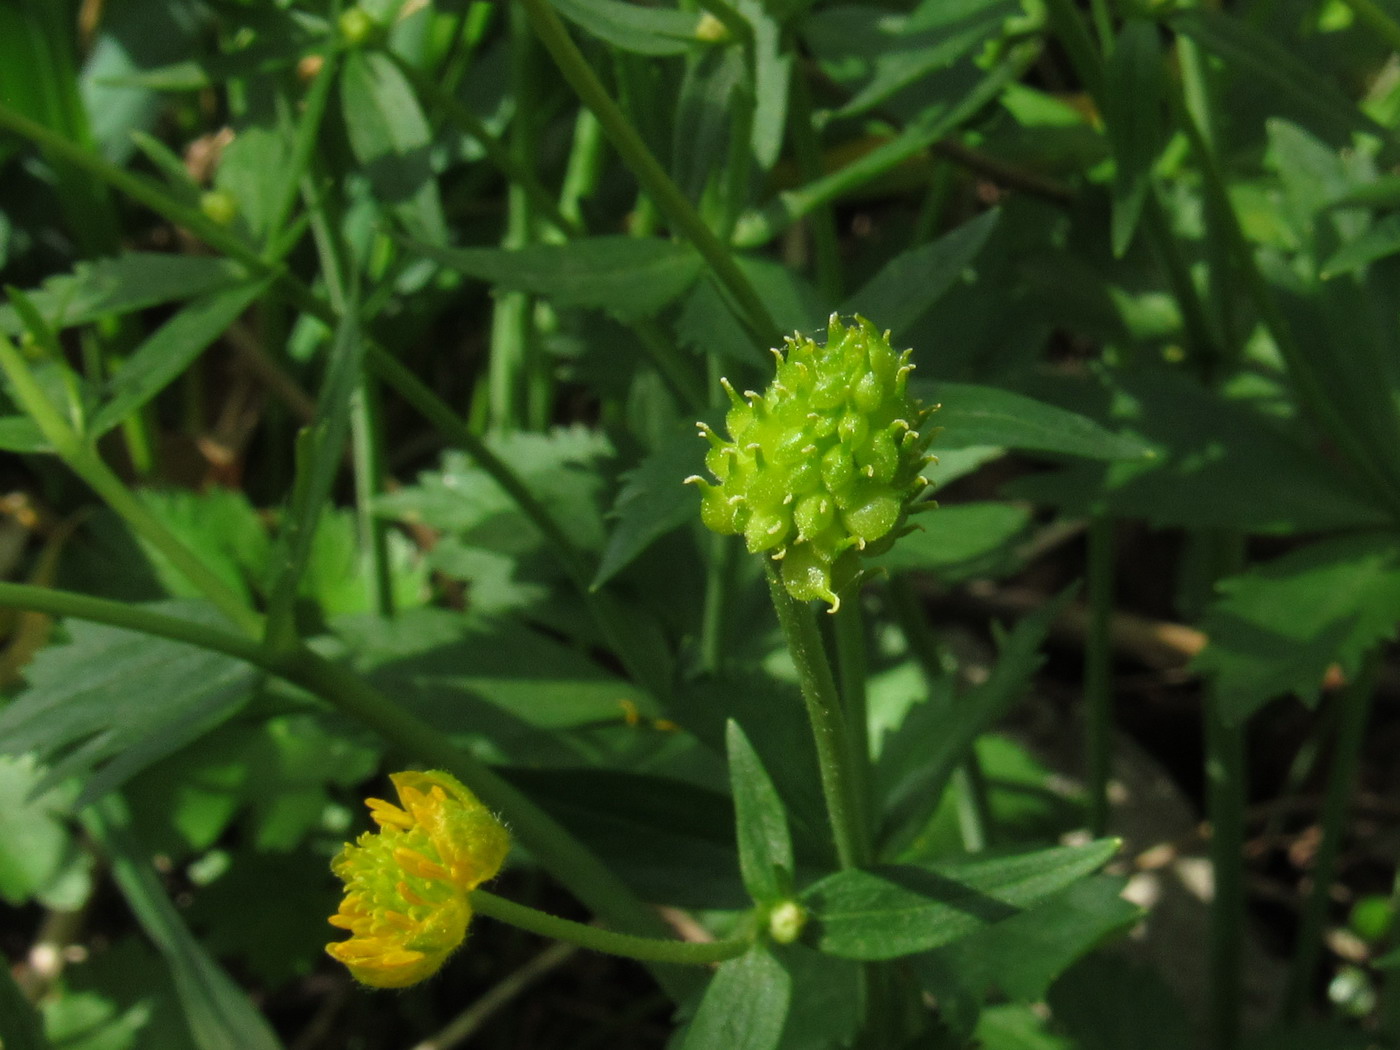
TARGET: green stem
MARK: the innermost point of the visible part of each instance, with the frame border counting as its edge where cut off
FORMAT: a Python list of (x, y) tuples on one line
[(1355, 706), (839, 783), (645, 949), (635, 154), (87, 464), (497, 151), (367, 445), (1098, 672), (720, 568), (1225, 804), (821, 221), (572, 863), (851, 666)]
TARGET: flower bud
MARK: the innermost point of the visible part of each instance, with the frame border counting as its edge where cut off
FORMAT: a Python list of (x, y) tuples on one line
[(827, 463)]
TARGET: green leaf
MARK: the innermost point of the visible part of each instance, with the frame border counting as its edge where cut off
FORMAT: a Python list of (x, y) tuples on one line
[(1220, 462), (391, 138), (1133, 90), (934, 738), (889, 52), (641, 30), (111, 702), (745, 1005), (35, 845), (319, 452), (653, 501), (219, 1015), (959, 541), (454, 670), (628, 276), (1013, 1026), (157, 362), (984, 415), (670, 840), (129, 282), (765, 844), (1023, 956), (1379, 242), (19, 1024), (889, 912), (1108, 1003), (913, 281), (1262, 59), (1277, 628)]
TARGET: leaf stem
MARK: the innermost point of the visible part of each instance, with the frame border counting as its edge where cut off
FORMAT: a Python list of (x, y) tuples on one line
[(635, 154), (1225, 804), (834, 753), (87, 464), (645, 949), (567, 859), (1098, 672), (1355, 707)]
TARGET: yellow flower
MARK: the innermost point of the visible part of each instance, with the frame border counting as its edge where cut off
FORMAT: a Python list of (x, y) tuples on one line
[(406, 885)]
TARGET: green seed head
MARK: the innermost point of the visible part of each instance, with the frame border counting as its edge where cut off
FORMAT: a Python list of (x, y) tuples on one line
[(826, 463)]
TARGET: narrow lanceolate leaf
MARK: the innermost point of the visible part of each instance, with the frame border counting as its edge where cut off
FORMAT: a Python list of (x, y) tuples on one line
[(910, 283), (219, 1015), (642, 30), (169, 351), (982, 415), (628, 276), (889, 912), (744, 1007), (1132, 110), (1255, 55), (765, 844), (122, 285), (390, 137)]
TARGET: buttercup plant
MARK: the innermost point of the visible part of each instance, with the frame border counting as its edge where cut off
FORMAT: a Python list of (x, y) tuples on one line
[(826, 463)]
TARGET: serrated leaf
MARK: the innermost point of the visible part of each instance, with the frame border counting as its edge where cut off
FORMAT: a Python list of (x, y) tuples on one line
[(765, 844), (641, 30), (34, 841), (913, 281), (1133, 91), (984, 415), (1220, 463), (111, 701), (889, 912), (653, 501), (745, 1005), (1280, 626), (390, 137), (628, 276), (219, 1015), (131, 281)]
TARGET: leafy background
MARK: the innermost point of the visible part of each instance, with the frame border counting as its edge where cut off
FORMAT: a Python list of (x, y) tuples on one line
[(404, 345)]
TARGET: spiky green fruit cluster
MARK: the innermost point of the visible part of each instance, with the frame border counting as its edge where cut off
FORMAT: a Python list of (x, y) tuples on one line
[(826, 463)]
